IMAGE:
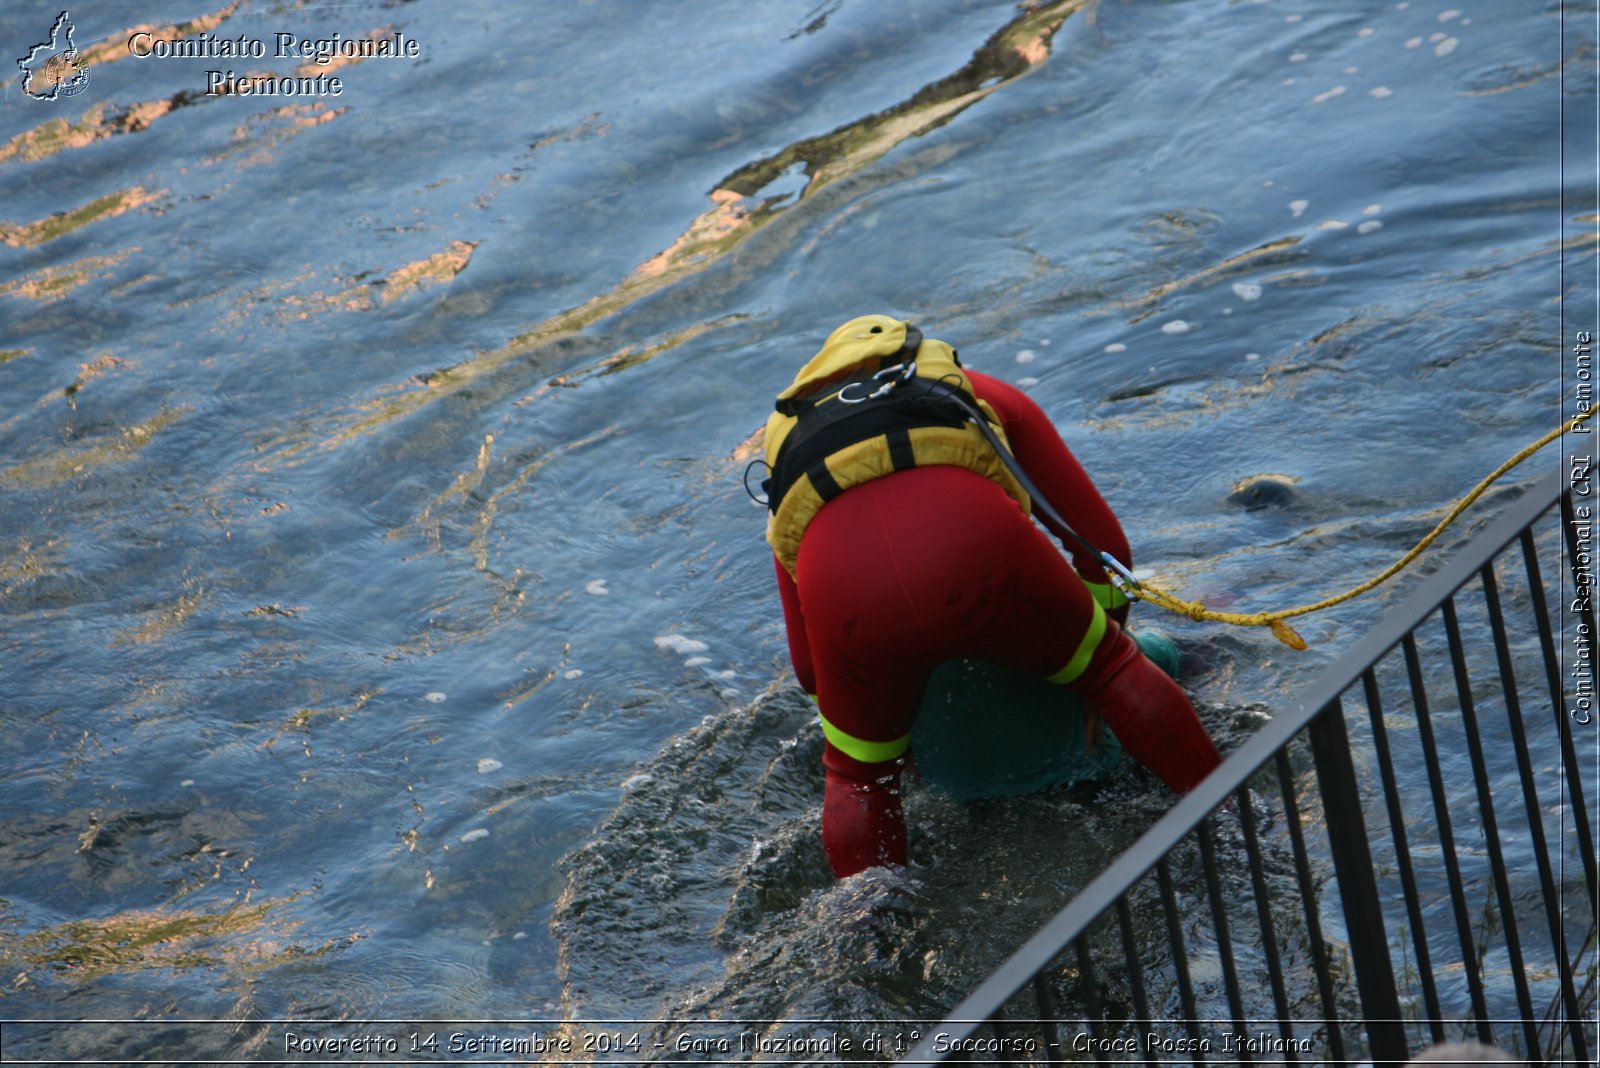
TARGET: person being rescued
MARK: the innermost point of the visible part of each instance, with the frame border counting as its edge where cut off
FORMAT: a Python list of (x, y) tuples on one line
[(903, 539)]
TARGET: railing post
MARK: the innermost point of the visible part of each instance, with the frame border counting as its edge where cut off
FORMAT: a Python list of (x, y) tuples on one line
[(1358, 886)]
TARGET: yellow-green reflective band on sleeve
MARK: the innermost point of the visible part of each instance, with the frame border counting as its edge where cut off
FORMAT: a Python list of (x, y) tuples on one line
[(861, 749), (1080, 659), (1106, 594)]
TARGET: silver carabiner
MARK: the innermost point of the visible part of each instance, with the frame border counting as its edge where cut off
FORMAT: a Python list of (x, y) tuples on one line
[(905, 371), (1120, 576)]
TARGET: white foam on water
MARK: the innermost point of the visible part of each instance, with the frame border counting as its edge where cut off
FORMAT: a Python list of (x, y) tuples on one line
[(488, 764), (677, 643), (1247, 290), (596, 587), (1176, 326), (475, 834)]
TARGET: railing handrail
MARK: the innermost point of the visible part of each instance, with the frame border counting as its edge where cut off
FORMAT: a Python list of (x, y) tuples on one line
[(1139, 859)]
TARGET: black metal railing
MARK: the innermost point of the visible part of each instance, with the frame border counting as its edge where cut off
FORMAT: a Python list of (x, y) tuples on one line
[(1405, 859)]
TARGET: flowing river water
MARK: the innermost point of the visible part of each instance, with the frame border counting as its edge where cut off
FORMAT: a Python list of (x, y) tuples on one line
[(385, 630)]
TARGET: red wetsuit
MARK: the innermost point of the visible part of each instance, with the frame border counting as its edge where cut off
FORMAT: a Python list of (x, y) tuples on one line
[(899, 574)]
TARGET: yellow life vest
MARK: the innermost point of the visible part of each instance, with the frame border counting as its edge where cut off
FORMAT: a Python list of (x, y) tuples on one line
[(875, 400)]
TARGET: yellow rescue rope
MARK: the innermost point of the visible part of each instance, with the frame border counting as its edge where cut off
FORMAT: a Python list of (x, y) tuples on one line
[(1276, 620)]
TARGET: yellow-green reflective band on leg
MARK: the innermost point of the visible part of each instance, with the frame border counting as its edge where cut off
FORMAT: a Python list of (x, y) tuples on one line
[(1106, 595), (1080, 659), (861, 749)]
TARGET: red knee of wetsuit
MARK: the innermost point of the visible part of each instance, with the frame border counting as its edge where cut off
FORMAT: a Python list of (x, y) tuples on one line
[(1151, 716), (863, 824)]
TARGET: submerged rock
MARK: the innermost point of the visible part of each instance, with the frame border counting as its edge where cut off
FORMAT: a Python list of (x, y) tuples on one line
[(1264, 491)]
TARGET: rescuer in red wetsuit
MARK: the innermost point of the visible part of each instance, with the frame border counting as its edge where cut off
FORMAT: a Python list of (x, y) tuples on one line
[(911, 547)]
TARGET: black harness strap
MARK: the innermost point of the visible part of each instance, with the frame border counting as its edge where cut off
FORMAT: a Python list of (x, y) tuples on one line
[(901, 454), (822, 481)]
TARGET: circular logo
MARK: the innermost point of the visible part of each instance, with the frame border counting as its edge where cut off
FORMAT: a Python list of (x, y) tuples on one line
[(65, 75)]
